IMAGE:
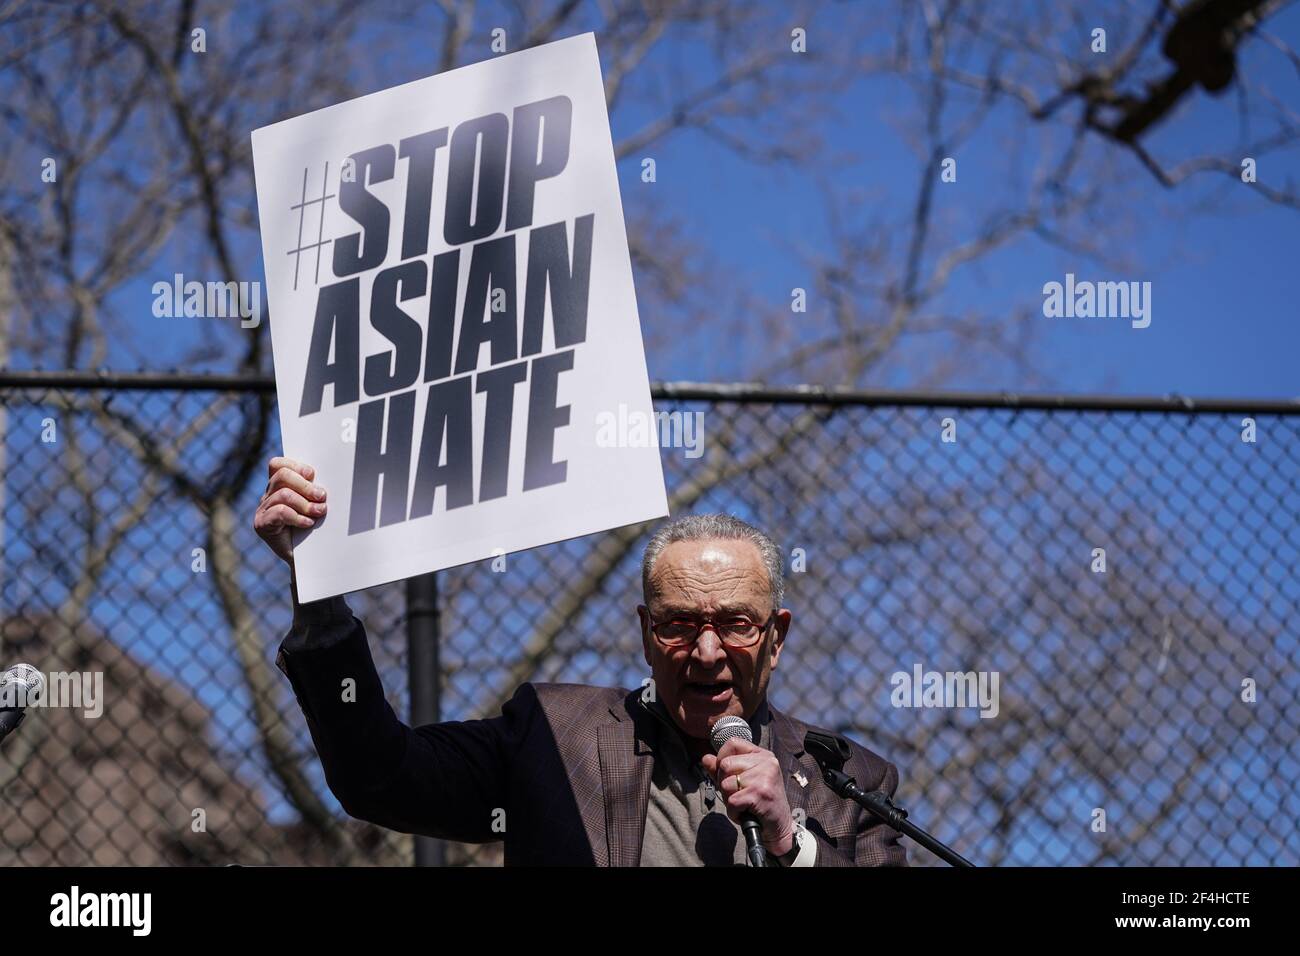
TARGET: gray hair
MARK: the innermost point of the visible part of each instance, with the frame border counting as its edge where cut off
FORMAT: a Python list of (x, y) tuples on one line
[(715, 527)]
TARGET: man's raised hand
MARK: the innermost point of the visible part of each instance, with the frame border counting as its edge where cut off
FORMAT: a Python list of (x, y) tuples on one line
[(291, 500)]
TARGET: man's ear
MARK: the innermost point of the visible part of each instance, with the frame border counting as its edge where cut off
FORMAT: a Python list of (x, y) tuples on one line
[(643, 613), (780, 627)]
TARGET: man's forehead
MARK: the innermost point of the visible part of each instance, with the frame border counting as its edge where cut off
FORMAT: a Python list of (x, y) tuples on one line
[(727, 569)]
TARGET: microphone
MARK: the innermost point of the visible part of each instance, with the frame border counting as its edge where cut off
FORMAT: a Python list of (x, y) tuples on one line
[(17, 686), (831, 754), (723, 730)]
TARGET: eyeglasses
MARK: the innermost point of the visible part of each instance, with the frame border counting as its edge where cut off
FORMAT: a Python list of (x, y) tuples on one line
[(734, 630)]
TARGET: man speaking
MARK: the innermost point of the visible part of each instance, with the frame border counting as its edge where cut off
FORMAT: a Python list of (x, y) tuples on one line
[(576, 775)]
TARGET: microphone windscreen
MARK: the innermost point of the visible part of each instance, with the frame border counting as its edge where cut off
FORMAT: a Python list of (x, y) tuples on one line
[(25, 675), (728, 727)]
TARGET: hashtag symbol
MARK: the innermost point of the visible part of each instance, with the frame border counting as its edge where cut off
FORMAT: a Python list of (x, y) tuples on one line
[(320, 231)]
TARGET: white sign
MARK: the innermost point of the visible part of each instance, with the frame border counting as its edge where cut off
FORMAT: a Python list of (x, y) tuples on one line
[(452, 317)]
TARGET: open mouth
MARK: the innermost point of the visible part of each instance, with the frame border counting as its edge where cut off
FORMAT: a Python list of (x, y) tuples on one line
[(717, 692)]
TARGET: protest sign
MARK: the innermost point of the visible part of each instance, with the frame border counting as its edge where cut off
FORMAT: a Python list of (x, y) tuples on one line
[(452, 314)]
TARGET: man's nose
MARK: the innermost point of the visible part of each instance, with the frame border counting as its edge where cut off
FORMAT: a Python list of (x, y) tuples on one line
[(708, 648)]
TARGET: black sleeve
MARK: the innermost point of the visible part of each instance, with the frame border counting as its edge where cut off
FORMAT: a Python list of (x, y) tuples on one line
[(447, 780)]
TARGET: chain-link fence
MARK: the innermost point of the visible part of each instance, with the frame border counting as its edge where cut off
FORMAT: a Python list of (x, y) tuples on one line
[(1117, 580)]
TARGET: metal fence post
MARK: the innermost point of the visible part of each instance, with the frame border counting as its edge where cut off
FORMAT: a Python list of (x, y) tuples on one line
[(424, 679)]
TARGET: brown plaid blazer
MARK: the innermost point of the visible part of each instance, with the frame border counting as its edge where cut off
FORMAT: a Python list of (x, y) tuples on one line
[(562, 776)]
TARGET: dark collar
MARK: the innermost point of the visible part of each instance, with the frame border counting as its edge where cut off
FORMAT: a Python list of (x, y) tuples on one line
[(760, 723)]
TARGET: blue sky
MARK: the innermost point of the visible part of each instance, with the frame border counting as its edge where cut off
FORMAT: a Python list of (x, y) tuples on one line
[(1225, 310), (1226, 319)]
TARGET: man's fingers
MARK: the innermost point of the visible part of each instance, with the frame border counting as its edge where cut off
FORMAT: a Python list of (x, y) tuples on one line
[(736, 756), (279, 461), (739, 763), (286, 477), (753, 782), (738, 746), (279, 516), (287, 496)]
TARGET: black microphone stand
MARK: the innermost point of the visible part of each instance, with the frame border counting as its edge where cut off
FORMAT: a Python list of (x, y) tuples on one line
[(831, 753)]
